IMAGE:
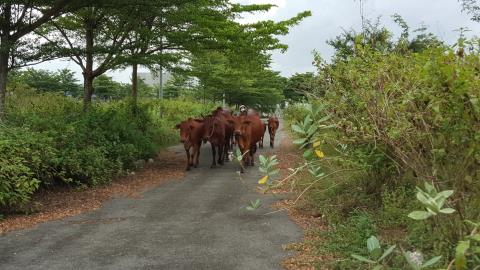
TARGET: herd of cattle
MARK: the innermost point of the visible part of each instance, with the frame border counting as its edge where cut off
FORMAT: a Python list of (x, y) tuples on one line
[(223, 130)]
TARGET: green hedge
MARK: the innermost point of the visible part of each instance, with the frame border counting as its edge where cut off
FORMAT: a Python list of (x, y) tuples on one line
[(401, 118), (47, 140)]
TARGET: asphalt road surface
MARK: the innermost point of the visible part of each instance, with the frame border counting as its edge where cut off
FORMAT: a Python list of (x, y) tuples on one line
[(199, 222)]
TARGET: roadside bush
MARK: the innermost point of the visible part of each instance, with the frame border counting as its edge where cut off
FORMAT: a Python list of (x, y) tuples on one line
[(401, 118), (295, 113), (47, 140), (25, 157)]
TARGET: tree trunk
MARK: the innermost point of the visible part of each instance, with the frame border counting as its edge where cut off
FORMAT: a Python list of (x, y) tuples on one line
[(3, 80), (135, 86), (5, 44), (88, 72), (88, 91)]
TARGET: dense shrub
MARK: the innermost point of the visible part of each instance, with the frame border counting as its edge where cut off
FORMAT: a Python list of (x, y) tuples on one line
[(401, 118), (47, 140), (295, 113)]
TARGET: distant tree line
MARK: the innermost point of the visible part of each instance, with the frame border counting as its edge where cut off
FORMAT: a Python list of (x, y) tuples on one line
[(105, 35)]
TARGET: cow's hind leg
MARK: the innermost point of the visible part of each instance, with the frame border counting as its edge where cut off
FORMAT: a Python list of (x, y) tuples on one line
[(214, 162), (225, 152), (188, 159), (252, 152), (197, 155), (221, 151)]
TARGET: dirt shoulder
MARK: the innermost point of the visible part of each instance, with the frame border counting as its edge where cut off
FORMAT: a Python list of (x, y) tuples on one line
[(306, 257), (65, 202)]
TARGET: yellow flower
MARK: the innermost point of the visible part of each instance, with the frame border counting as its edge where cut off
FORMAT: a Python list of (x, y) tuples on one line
[(263, 180), (316, 144), (319, 153)]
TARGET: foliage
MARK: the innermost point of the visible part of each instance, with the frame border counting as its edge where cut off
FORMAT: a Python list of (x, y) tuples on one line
[(250, 83), (267, 167), (254, 205), (298, 85), (416, 262), (376, 255), (47, 140), (62, 81), (473, 8), (106, 88), (399, 116), (433, 202)]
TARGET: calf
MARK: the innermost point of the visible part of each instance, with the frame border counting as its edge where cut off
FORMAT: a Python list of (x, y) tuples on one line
[(273, 125), (215, 133), (248, 132), (191, 134)]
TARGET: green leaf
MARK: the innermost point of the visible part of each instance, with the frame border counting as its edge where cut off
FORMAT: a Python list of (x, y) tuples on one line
[(387, 252), (460, 254), (446, 193), (308, 154), (447, 211), (431, 262), (362, 259), (429, 188), (298, 129), (300, 141), (274, 172), (422, 197), (373, 243), (377, 267), (326, 118), (312, 130), (376, 253), (419, 215), (476, 237)]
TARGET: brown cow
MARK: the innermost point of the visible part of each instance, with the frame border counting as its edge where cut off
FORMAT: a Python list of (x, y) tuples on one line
[(227, 115), (248, 132), (191, 134), (215, 132), (273, 125)]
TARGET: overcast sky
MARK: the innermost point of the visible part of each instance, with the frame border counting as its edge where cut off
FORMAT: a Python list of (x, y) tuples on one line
[(329, 17)]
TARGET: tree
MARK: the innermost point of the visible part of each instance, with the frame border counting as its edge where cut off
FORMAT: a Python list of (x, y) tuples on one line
[(298, 85), (18, 19), (473, 8), (62, 81), (94, 37), (179, 85), (240, 68), (106, 88), (182, 28)]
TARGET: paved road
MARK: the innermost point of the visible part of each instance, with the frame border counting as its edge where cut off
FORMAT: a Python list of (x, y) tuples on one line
[(197, 223)]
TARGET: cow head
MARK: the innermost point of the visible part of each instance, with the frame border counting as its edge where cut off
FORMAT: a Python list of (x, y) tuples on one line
[(210, 124), (240, 125), (186, 128)]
